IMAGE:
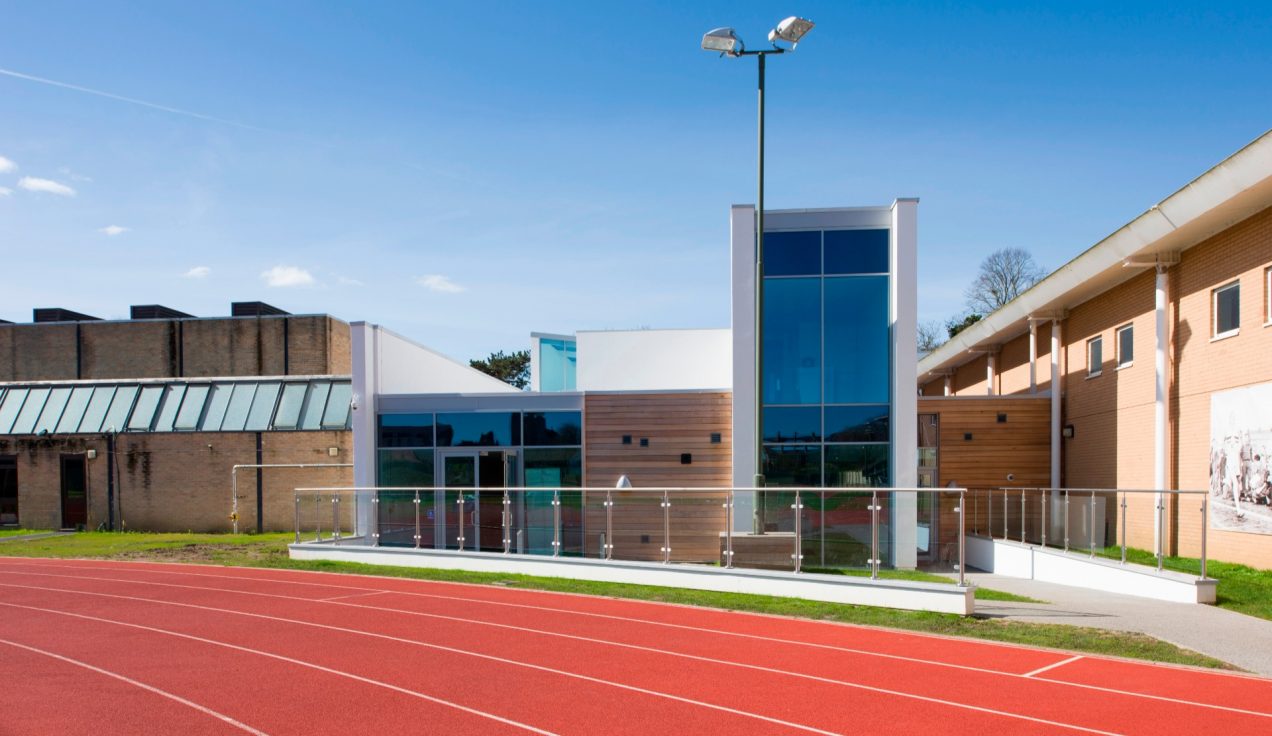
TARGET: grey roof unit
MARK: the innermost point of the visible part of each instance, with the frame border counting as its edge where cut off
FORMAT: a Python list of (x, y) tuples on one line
[(255, 309), (155, 311), (57, 314), (5, 322)]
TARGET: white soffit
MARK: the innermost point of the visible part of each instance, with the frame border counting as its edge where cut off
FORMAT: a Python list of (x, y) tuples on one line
[(1233, 190)]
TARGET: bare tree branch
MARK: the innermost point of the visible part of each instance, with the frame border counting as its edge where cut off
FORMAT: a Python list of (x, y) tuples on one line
[(1003, 276)]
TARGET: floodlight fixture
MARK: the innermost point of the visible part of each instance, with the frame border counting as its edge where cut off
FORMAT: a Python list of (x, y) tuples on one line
[(724, 40), (790, 30)]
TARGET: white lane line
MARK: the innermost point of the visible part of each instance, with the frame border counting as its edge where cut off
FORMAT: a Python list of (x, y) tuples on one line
[(311, 665), (849, 650), (149, 688), (1052, 666), (339, 597), (479, 655)]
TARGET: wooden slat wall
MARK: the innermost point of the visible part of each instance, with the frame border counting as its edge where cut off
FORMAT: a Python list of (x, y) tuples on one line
[(674, 423)]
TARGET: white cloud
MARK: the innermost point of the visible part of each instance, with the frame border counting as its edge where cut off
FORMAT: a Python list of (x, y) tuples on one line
[(198, 272), (346, 281), (287, 276), (7, 165), (112, 230), (74, 176), (439, 283), (33, 184), (5, 191)]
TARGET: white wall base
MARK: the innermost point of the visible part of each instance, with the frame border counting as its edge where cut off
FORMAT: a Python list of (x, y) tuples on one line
[(914, 596), (1017, 560)]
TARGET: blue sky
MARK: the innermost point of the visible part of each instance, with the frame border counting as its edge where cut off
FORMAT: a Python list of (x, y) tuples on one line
[(467, 173)]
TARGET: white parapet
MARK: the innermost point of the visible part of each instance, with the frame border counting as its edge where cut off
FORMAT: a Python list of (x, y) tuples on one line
[(1013, 559), (903, 594)]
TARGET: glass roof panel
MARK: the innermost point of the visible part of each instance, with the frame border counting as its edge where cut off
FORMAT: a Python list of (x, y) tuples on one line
[(240, 403), (144, 413), (191, 408), (337, 414), (74, 411), (9, 409), (263, 407), (96, 412), (53, 409), (288, 414), (315, 403), (30, 411), (117, 416), (172, 396), (217, 404)]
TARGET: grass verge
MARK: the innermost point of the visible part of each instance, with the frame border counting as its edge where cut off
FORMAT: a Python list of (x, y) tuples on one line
[(1241, 588), (19, 532), (270, 550)]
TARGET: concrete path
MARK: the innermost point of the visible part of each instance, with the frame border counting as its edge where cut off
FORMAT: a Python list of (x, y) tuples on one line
[(1244, 641), (29, 537)]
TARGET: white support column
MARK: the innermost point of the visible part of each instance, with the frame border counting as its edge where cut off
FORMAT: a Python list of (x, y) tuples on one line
[(949, 384), (1033, 356), (364, 345), (1161, 405), (742, 239), (1057, 388), (905, 402), (989, 373)]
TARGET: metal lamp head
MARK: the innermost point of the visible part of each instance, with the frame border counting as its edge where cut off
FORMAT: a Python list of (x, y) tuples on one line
[(724, 40), (790, 30)]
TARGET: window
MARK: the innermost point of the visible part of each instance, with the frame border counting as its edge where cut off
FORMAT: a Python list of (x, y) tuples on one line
[(792, 341), (858, 353), (479, 429), (553, 428), (1095, 356), (406, 430), (1267, 295), (74, 412), (558, 364), (289, 406), (1125, 346), (338, 406), (857, 251), (792, 424), (1227, 310), (96, 411), (47, 423), (857, 423), (31, 411), (796, 253), (192, 408), (217, 404)]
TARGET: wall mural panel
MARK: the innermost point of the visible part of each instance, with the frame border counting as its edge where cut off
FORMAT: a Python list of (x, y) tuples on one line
[(1240, 466)]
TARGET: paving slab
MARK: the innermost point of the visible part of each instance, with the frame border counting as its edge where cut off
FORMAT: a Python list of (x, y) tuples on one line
[(1241, 640)]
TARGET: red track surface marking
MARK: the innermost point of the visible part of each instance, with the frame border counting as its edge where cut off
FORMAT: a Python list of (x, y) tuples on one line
[(46, 693), (635, 656)]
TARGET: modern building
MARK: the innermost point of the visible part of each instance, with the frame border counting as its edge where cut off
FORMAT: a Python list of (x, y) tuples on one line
[(1143, 363), (139, 423), (667, 408)]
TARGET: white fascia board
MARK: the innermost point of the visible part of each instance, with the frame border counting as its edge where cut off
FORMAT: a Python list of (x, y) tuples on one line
[(1229, 192)]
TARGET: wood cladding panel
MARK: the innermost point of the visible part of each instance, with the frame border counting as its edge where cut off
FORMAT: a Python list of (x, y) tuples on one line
[(1020, 446), (674, 423)]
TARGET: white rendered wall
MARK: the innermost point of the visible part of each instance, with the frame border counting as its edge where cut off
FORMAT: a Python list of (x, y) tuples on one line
[(406, 367), (742, 238), (905, 400), (654, 360)]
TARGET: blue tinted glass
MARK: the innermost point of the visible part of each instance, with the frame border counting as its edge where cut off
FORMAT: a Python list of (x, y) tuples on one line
[(792, 424), (857, 251), (571, 364), (96, 412), (792, 341), (485, 428), (857, 346), (557, 468), (792, 254), (406, 430), (406, 468), (30, 411), (792, 465), (52, 410), (556, 364), (857, 423), (857, 466), (9, 409), (75, 409), (554, 428)]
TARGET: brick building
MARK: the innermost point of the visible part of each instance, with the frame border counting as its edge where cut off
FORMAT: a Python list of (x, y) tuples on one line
[(138, 423), (1159, 335)]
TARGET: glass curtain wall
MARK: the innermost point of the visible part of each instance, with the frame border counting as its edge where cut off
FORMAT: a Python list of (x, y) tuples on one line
[(827, 386), (558, 361)]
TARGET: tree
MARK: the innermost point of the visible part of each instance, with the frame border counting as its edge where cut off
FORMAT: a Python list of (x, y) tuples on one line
[(511, 368), (930, 338), (1003, 276), (958, 324)]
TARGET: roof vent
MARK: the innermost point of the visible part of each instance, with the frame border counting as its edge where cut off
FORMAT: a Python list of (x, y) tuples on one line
[(254, 309), (57, 314), (155, 311)]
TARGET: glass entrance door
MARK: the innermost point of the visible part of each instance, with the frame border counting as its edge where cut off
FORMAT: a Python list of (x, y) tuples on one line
[(473, 519), (459, 473)]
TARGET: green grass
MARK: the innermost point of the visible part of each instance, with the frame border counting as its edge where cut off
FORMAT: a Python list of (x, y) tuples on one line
[(18, 532), (1241, 588), (982, 594), (270, 550)]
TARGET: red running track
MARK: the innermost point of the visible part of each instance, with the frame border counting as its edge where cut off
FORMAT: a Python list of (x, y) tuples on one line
[(115, 647)]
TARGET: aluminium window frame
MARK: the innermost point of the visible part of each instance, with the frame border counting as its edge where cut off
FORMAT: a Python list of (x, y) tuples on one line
[(1118, 359), (1215, 334), (1099, 369)]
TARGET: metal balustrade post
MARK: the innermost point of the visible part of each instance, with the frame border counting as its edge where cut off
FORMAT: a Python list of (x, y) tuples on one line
[(962, 538), (1122, 507), (728, 529), (1091, 525), (335, 519), (556, 523), (667, 529), (375, 512), (609, 526), (1205, 499), (1022, 516), (976, 512), (798, 555), (874, 535), (506, 522), (417, 518), (297, 518), (317, 517), (989, 514), (1161, 530), (1042, 503), (459, 532), (1004, 514), (1066, 520)]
